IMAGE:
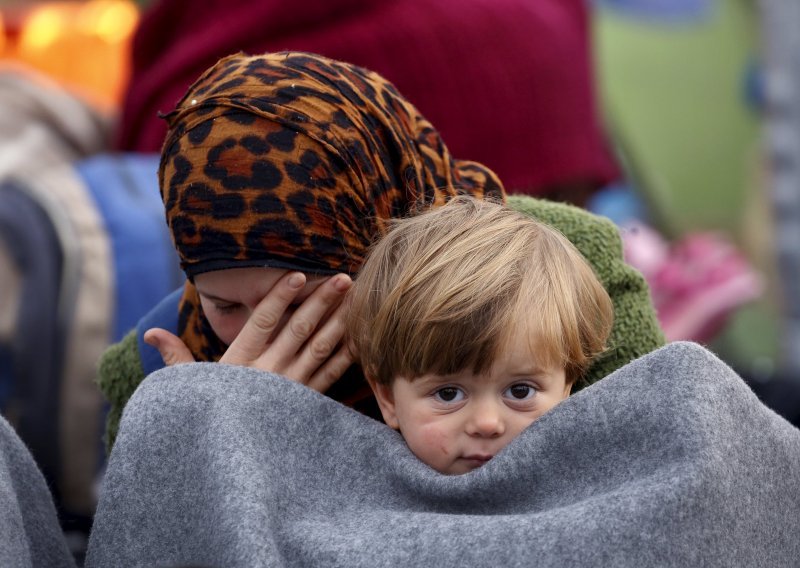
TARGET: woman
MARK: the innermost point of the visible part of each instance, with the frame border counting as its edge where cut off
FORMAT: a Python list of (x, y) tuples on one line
[(285, 166)]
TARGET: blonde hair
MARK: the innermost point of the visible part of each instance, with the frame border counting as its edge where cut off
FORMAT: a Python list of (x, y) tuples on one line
[(444, 290)]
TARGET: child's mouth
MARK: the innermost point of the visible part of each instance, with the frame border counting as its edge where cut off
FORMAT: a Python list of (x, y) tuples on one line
[(478, 459)]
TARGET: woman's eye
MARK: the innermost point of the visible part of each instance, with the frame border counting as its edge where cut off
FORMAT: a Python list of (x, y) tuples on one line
[(449, 394), (226, 308), (520, 391)]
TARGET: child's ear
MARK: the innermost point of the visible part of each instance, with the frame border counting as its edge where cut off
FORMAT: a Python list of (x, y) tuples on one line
[(568, 388), (385, 397)]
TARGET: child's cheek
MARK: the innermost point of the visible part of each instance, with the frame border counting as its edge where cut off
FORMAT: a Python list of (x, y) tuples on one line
[(435, 436)]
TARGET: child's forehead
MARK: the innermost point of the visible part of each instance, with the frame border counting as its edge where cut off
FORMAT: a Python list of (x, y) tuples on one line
[(527, 344)]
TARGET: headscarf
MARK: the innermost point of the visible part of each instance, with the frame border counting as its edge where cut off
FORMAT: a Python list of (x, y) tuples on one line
[(293, 160)]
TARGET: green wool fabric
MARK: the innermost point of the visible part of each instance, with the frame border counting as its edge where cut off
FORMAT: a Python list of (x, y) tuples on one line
[(118, 375), (636, 331)]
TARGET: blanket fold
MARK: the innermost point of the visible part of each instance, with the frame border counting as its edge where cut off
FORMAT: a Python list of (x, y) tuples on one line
[(29, 532), (670, 461)]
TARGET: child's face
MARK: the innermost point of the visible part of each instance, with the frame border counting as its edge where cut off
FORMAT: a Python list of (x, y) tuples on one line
[(457, 423)]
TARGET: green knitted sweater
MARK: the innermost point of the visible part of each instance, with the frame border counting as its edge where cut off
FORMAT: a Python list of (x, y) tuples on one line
[(635, 332)]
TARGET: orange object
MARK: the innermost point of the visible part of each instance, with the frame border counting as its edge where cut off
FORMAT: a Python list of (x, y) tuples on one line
[(83, 45), (2, 35)]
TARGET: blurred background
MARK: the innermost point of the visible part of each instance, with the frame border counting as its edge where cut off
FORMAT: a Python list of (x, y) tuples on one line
[(678, 119)]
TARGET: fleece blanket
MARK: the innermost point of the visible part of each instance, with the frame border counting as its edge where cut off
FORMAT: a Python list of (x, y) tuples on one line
[(30, 535), (670, 461)]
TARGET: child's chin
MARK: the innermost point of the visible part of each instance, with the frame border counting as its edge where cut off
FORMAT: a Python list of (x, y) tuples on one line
[(462, 466)]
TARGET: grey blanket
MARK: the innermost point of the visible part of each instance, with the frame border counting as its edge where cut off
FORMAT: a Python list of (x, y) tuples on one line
[(670, 461), (29, 532)]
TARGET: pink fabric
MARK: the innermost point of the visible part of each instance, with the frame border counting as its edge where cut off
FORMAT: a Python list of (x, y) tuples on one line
[(507, 82), (696, 283)]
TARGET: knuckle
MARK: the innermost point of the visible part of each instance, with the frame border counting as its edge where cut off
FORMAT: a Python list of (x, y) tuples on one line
[(328, 378), (321, 348), (324, 380), (350, 352), (301, 328), (266, 321)]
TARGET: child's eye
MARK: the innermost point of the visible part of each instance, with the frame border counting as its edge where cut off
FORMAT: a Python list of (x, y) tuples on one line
[(449, 394), (520, 391)]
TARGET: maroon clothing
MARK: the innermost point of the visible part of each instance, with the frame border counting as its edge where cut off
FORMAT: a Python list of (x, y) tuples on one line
[(507, 82)]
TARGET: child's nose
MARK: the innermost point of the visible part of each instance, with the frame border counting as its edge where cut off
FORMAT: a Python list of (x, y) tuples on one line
[(486, 421)]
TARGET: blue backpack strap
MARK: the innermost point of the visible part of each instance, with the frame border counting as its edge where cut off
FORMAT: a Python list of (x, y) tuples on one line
[(165, 316)]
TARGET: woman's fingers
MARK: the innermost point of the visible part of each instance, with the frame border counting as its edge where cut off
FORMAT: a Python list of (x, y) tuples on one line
[(321, 346), (332, 370), (250, 344), (173, 351), (302, 335), (306, 347)]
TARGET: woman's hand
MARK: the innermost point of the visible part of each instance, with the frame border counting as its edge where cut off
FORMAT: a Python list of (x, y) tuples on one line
[(305, 349)]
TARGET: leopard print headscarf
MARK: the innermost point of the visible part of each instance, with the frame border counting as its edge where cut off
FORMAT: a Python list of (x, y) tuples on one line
[(293, 160)]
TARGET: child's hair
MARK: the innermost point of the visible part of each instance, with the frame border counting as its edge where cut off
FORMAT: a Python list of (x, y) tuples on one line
[(444, 290)]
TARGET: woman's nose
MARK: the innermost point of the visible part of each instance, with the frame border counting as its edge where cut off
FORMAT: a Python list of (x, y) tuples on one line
[(486, 420)]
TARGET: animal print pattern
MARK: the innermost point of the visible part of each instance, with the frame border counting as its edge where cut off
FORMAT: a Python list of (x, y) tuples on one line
[(294, 160)]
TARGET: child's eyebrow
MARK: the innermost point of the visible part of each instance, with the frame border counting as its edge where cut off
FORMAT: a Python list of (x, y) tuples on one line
[(538, 372), (528, 372), (434, 379)]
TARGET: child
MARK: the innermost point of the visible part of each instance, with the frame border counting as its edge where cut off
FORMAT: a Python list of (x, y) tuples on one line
[(471, 321)]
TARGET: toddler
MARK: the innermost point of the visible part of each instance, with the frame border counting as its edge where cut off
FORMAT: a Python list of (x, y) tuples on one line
[(471, 321)]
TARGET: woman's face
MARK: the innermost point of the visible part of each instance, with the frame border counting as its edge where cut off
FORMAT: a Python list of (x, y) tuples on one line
[(229, 296)]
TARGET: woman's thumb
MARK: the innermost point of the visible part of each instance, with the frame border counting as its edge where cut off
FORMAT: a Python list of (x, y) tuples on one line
[(173, 351)]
